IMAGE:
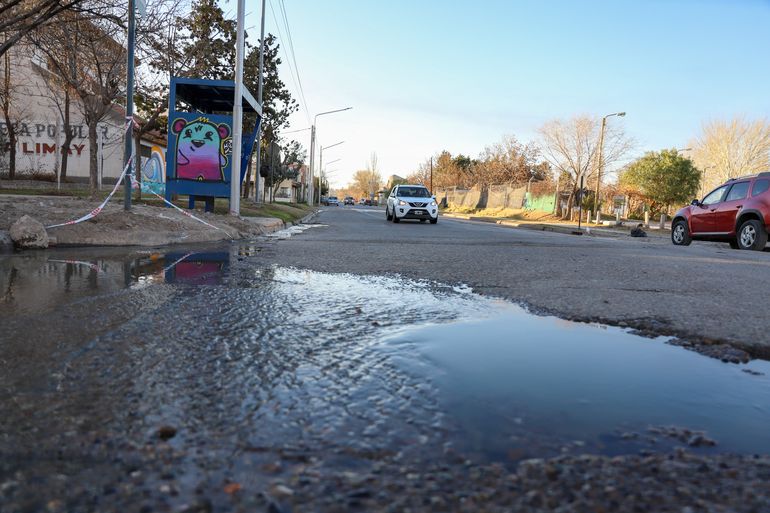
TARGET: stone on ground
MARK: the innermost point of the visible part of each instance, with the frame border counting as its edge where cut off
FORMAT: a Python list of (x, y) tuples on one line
[(29, 233)]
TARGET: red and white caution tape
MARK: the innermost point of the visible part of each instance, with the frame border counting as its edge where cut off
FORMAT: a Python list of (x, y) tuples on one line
[(185, 212), (95, 212), (90, 265), (168, 268)]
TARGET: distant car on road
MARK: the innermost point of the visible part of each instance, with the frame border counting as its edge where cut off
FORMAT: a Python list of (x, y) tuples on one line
[(362, 201), (332, 201), (324, 200), (349, 200), (737, 212), (411, 202)]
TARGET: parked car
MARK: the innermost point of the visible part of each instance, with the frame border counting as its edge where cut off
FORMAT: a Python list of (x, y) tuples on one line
[(411, 202), (324, 200), (737, 212), (332, 201), (362, 201), (349, 200), (368, 202)]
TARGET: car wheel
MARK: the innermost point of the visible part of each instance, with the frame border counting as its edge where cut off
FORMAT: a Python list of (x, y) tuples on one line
[(752, 235), (434, 221), (680, 234), (387, 214), (395, 217)]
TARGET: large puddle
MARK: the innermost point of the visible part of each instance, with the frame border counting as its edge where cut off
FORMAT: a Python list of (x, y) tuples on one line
[(290, 357), (520, 385)]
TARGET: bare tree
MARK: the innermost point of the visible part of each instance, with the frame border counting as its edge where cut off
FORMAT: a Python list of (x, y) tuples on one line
[(571, 147), (507, 161), (367, 181), (728, 149), (7, 105), (89, 60), (373, 175), (21, 17)]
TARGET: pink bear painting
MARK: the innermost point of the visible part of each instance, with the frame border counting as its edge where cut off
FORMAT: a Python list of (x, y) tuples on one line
[(200, 150)]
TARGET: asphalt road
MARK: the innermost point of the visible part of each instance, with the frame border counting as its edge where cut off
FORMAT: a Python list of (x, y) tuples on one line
[(230, 377), (703, 293)]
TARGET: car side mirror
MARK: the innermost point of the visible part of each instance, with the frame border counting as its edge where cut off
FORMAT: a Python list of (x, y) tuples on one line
[(695, 203)]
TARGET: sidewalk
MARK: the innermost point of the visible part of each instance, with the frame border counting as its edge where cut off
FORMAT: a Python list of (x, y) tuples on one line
[(143, 225), (568, 228)]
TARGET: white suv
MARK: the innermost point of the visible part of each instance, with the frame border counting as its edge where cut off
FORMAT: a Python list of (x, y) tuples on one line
[(411, 202)]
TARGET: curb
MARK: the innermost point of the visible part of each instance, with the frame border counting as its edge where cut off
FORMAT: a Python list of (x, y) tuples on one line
[(594, 231), (305, 219)]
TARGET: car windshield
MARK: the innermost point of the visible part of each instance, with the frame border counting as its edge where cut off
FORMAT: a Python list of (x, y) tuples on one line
[(413, 192), (333, 198)]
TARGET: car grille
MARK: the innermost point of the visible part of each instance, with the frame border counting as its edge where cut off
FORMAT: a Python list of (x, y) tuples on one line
[(418, 204)]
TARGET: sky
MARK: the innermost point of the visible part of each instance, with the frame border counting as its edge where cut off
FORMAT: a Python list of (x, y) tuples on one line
[(424, 76)]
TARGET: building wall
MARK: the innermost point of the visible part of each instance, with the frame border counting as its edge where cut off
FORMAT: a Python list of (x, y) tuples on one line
[(36, 109)]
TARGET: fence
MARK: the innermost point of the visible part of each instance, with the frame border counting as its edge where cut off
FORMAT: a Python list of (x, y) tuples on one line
[(497, 196)]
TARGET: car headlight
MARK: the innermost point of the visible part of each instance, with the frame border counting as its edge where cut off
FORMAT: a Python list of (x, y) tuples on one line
[(401, 203), (433, 203)]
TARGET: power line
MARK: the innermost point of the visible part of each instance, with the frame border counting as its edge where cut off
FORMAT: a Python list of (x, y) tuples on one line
[(294, 131), (289, 63), (293, 56)]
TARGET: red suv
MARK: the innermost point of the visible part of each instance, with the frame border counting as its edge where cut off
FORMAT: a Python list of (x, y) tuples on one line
[(737, 212)]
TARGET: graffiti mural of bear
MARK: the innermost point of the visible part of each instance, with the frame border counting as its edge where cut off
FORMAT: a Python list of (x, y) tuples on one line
[(201, 149)]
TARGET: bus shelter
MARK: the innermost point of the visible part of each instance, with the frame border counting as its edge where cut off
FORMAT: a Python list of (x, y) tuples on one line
[(199, 159)]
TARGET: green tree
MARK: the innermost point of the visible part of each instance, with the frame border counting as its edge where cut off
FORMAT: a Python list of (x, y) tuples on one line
[(292, 158), (210, 42), (663, 178), (277, 103)]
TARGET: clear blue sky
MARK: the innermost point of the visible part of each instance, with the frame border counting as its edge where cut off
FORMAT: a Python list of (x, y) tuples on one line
[(427, 75)]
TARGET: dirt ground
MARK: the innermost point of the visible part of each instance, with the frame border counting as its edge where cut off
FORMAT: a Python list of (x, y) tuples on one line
[(144, 225)]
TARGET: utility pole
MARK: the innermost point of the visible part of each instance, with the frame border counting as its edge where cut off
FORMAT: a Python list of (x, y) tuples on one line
[(431, 176), (259, 99), (129, 134), (311, 199), (235, 166), (600, 159)]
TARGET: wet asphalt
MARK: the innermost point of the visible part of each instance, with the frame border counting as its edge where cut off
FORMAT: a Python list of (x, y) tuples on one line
[(706, 292), (284, 374)]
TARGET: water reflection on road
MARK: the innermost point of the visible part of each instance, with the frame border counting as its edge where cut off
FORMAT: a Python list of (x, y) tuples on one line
[(246, 359)]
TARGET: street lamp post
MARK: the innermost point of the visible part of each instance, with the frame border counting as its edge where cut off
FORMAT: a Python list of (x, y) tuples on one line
[(310, 200), (323, 176), (235, 166), (599, 161), (321, 166), (129, 142), (260, 90)]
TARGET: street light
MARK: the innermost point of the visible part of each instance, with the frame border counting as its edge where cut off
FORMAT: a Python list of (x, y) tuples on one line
[(682, 150), (235, 167), (601, 157), (312, 150), (323, 175), (321, 165)]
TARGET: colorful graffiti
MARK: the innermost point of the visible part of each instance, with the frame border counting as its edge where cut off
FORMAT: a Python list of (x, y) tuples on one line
[(201, 149), (154, 171)]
